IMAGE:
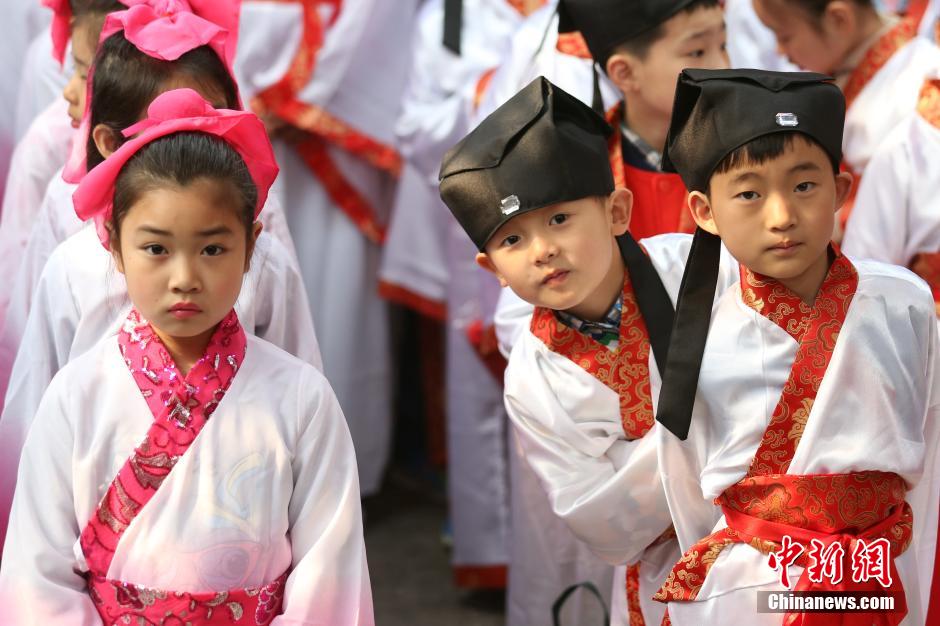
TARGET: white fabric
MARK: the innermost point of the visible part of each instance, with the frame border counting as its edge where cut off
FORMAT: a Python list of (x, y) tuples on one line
[(750, 43), (42, 82), (928, 24), (41, 153), (886, 100), (81, 298), (604, 487), (897, 212), (55, 222), (339, 267), (533, 53), (258, 64), (877, 409), (269, 485)]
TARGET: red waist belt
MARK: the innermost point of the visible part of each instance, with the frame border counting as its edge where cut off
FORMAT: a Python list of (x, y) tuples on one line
[(830, 508), (122, 603)]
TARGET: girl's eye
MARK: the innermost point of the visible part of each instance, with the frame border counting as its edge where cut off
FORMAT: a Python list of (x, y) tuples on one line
[(213, 250), (747, 195), (560, 218), (697, 54), (155, 249), (510, 240), (805, 186)]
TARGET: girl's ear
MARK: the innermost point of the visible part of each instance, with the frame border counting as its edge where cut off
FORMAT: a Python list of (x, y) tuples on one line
[(105, 140), (701, 208), (115, 248), (256, 229)]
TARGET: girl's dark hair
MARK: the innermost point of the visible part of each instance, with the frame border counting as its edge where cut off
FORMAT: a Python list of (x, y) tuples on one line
[(816, 8), (126, 81), (91, 14), (764, 149), (176, 161)]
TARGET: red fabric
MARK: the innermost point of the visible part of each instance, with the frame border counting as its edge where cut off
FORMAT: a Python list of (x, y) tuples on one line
[(61, 30)]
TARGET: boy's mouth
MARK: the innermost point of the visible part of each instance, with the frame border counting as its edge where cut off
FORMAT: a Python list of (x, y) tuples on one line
[(555, 277), (786, 246)]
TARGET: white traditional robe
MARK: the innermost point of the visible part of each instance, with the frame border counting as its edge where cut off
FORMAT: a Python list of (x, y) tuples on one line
[(269, 485), (897, 212), (750, 43), (877, 409), (39, 155), (338, 262), (602, 486), (81, 297), (42, 82)]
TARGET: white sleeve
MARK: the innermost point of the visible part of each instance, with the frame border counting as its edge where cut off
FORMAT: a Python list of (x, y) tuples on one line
[(46, 345), (329, 579), (878, 224), (511, 319), (40, 579), (605, 488), (281, 309)]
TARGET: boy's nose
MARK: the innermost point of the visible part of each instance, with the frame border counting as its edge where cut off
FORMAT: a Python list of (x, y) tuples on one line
[(544, 250), (780, 214)]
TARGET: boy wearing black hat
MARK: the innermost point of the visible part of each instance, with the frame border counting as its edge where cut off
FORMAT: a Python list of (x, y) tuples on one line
[(819, 375), (642, 46), (532, 188)]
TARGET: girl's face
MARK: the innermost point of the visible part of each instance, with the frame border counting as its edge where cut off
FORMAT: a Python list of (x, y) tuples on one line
[(184, 251), (83, 53)]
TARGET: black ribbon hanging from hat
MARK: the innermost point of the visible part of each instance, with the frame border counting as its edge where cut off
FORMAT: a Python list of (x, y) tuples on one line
[(689, 333), (453, 22), (651, 298)]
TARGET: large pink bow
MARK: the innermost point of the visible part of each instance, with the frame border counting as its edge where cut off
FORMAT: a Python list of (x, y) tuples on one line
[(171, 112)]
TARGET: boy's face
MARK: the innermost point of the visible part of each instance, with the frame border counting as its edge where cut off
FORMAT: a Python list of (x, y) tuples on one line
[(776, 218), (558, 256), (815, 47), (690, 40)]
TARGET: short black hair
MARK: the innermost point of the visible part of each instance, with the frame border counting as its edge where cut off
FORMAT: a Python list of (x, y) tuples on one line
[(178, 160), (765, 148), (127, 80), (640, 45)]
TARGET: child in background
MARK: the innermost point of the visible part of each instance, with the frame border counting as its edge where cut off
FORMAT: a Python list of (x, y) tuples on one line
[(816, 419), (265, 491), (581, 383)]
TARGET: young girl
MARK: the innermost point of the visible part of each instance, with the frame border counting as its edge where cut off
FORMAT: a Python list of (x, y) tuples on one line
[(150, 509), (77, 299)]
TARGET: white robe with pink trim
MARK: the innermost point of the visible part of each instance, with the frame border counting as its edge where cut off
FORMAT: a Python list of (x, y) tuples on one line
[(81, 298), (269, 485)]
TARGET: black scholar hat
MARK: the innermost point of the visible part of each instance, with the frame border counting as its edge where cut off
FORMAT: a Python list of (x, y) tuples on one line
[(541, 147), (717, 111), (605, 24)]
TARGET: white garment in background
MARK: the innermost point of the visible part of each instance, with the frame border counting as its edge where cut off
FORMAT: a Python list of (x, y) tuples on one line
[(269, 485), (877, 409), (750, 43), (42, 82), (81, 297)]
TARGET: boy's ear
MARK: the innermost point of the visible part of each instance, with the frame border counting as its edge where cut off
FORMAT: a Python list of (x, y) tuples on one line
[(620, 207), (701, 208), (256, 229), (844, 182), (621, 72), (484, 261), (104, 140)]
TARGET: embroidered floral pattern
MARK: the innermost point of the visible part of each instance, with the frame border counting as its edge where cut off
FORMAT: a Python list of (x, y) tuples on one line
[(573, 44), (625, 370), (876, 58), (633, 596), (928, 102), (181, 407), (769, 503)]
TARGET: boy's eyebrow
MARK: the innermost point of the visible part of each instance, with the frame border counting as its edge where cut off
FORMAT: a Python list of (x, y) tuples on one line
[(740, 178), (806, 166), (704, 32)]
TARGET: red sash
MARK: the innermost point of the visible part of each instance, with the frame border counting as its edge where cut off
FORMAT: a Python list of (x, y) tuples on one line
[(769, 503), (624, 370), (181, 407), (659, 199)]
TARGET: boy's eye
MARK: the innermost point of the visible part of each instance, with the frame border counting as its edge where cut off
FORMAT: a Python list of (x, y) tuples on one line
[(155, 249), (747, 195), (510, 240), (560, 218), (213, 250), (697, 54), (805, 186)]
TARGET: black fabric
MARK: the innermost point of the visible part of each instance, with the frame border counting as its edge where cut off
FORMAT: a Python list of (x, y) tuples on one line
[(605, 24), (651, 298), (541, 147), (453, 23), (597, 100), (717, 111), (689, 333)]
